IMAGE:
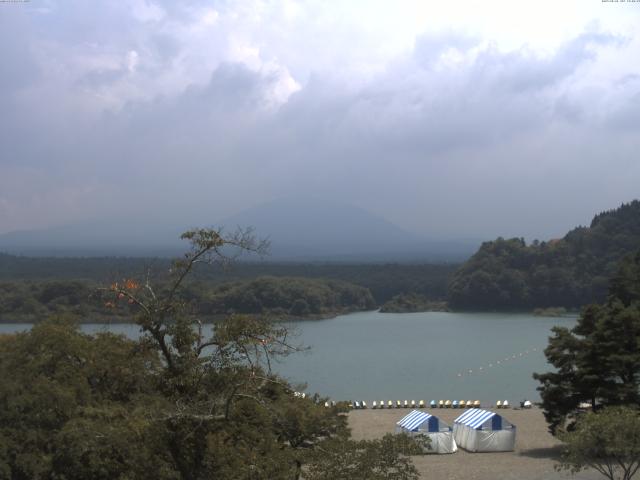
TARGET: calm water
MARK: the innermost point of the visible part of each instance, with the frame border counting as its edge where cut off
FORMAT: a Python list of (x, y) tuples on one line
[(375, 356)]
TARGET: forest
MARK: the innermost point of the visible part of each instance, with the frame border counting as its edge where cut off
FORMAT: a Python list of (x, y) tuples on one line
[(508, 274), (275, 297), (175, 403), (384, 280), (32, 288)]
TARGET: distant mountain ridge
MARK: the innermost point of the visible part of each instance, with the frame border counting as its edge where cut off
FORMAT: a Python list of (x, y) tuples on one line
[(568, 272), (300, 229), (321, 229)]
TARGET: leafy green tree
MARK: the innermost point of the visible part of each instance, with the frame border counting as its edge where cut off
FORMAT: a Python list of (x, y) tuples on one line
[(181, 402), (507, 274), (607, 441), (597, 361), (51, 378), (383, 459)]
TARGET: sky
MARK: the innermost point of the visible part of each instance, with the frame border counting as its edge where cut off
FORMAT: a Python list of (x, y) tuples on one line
[(467, 119)]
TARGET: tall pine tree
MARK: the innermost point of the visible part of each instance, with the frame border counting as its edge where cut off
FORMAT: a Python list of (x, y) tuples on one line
[(597, 361)]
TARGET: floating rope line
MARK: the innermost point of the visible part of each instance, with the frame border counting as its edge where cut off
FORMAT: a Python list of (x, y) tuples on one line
[(481, 368)]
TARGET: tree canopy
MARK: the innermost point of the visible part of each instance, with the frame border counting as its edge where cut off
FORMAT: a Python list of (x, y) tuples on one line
[(607, 441), (177, 403), (598, 361), (569, 272)]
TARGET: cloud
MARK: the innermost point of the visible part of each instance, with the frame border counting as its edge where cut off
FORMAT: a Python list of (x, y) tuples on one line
[(173, 111)]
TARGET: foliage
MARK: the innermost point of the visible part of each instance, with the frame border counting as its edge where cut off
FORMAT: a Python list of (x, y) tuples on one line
[(287, 296), (607, 441), (597, 361), (178, 403), (54, 379), (412, 302), (383, 280), (273, 296), (290, 290), (383, 459), (568, 272)]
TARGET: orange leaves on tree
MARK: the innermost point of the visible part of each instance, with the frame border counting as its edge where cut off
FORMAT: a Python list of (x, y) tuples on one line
[(129, 284)]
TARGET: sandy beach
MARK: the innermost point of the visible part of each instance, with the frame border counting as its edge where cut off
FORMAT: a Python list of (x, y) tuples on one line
[(533, 458)]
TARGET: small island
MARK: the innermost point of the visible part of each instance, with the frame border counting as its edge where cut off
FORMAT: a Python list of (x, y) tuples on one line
[(413, 302)]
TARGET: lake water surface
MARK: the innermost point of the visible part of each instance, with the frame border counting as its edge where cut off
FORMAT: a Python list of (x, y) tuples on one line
[(382, 356)]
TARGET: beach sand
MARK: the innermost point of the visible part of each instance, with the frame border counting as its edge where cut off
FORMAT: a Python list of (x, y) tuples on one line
[(533, 459)]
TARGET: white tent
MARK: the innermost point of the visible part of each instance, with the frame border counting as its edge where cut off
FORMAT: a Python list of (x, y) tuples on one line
[(422, 423), (484, 431)]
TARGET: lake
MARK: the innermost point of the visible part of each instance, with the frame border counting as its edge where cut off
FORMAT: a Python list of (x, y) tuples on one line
[(434, 355)]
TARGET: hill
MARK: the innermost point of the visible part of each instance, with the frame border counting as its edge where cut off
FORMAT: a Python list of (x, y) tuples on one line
[(300, 229), (508, 274)]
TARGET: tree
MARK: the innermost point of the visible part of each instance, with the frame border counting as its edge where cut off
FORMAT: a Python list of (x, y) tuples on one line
[(597, 361), (506, 274), (62, 402), (181, 402), (383, 459), (607, 441)]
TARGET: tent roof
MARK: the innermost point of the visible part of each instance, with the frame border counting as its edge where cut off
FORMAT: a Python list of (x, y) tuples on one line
[(414, 420), (475, 418)]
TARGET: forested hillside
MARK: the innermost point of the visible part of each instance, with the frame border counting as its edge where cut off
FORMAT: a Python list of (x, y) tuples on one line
[(568, 272)]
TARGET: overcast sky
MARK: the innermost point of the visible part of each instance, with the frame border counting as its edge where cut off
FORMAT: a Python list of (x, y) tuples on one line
[(450, 119)]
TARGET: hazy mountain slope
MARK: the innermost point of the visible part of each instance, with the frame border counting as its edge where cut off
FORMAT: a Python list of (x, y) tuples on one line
[(310, 226), (299, 229)]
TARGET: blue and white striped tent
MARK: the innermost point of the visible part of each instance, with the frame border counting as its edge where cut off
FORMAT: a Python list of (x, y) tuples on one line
[(484, 431), (423, 423)]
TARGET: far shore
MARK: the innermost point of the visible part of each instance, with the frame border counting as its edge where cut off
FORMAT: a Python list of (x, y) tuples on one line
[(211, 319), (533, 459)]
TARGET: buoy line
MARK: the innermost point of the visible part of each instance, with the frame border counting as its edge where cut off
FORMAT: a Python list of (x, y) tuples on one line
[(501, 361)]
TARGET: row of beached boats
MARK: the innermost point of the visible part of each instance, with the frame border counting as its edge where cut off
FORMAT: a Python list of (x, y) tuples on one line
[(432, 404), (421, 404)]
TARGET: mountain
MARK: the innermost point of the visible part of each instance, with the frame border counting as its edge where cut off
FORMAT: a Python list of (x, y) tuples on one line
[(300, 229), (568, 272), (308, 228)]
